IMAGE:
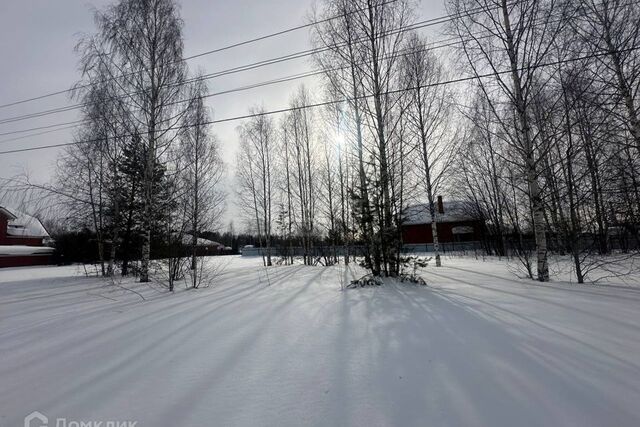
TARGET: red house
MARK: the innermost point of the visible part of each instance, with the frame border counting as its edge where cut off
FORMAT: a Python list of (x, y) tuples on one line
[(455, 223), (22, 240)]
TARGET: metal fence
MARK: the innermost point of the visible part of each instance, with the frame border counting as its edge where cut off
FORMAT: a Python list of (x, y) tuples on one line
[(359, 250), (587, 244)]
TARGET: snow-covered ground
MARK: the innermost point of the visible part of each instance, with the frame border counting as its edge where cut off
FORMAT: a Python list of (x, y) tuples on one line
[(475, 348)]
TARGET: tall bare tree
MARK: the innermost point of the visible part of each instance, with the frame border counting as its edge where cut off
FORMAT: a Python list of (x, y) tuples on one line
[(304, 168), (428, 112), (143, 40), (510, 41), (361, 61), (610, 27), (255, 169), (203, 173)]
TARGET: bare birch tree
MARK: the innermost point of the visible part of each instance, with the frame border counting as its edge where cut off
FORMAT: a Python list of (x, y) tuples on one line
[(428, 112), (511, 40), (144, 43), (361, 61), (256, 174), (304, 168), (203, 173)]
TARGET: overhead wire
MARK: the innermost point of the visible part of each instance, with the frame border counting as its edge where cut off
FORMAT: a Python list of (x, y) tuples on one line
[(321, 104)]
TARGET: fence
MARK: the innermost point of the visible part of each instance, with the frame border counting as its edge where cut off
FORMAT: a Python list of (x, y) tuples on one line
[(587, 244), (359, 250)]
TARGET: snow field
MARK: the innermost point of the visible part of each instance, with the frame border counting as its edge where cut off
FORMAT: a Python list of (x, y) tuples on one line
[(478, 347)]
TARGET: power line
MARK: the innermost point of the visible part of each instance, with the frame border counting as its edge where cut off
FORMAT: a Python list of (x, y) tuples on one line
[(239, 89), (41, 127), (296, 55), (209, 52), (17, 138), (322, 104), (217, 74), (432, 46)]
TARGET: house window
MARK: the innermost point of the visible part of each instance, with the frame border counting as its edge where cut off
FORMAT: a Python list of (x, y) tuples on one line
[(462, 233)]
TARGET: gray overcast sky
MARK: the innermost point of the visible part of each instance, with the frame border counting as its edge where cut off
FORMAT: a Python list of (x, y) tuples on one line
[(37, 38)]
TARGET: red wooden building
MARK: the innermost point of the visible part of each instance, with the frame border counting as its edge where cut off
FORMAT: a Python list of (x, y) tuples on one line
[(455, 223), (23, 240)]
